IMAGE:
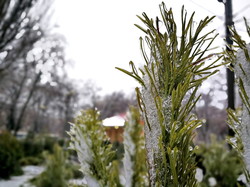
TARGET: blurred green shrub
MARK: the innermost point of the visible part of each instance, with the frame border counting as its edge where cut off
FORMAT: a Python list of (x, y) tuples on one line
[(221, 164), (56, 173), (10, 153), (94, 152), (30, 160), (49, 142), (75, 170), (34, 145), (119, 150)]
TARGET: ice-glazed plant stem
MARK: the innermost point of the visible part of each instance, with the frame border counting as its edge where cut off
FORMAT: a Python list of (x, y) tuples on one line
[(88, 139), (240, 123), (82, 145), (134, 158), (170, 79), (242, 71)]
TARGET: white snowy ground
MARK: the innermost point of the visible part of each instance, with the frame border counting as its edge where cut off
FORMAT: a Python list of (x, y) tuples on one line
[(32, 171), (29, 172)]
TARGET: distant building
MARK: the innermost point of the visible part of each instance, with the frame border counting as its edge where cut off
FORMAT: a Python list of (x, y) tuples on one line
[(115, 127)]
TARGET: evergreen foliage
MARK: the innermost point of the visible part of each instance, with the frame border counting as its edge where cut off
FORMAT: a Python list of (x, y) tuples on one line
[(135, 156), (239, 120), (174, 70), (170, 79), (34, 145), (10, 153), (218, 160), (56, 173), (88, 138)]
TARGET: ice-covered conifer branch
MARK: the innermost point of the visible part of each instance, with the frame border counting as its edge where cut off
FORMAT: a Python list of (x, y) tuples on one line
[(134, 158), (240, 123), (88, 139), (170, 79), (242, 71)]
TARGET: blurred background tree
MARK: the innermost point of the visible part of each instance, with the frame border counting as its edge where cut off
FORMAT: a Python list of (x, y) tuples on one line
[(212, 108), (114, 103), (34, 87)]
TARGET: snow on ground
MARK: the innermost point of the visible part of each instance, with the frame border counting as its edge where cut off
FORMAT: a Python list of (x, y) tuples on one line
[(16, 181)]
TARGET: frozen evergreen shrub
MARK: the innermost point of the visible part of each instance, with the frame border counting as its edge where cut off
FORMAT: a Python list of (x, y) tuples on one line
[(10, 154), (56, 172), (240, 121), (34, 145), (221, 164), (88, 139), (173, 71), (135, 155)]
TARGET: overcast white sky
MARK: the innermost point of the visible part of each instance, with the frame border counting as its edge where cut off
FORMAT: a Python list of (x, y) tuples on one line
[(101, 34)]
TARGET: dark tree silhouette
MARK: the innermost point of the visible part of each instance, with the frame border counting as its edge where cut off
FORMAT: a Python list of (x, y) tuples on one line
[(14, 16), (114, 103), (12, 20), (22, 82), (21, 25)]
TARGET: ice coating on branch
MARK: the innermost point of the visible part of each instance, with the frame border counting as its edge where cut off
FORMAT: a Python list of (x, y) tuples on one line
[(91, 181), (82, 145), (134, 157), (166, 104), (153, 134), (129, 146), (242, 71)]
